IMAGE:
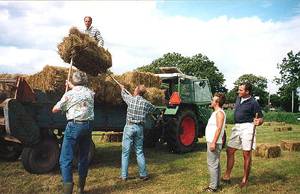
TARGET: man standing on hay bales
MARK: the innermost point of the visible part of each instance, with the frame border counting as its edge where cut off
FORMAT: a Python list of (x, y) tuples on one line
[(137, 109), (242, 137), (92, 31), (213, 133), (78, 103)]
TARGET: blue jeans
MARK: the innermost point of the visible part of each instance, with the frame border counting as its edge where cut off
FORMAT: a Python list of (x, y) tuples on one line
[(80, 134), (133, 136)]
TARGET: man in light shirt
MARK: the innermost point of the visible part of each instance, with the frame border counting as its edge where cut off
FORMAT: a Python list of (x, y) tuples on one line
[(214, 132), (242, 137), (78, 103), (92, 31)]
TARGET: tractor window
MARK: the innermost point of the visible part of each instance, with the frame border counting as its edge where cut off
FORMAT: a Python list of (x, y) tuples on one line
[(202, 91), (186, 90)]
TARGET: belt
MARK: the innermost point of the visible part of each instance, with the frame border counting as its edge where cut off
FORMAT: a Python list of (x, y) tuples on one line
[(78, 121), (132, 123)]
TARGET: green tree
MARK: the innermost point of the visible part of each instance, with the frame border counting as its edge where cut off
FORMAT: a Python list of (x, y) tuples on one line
[(275, 100), (197, 65), (259, 86), (289, 70)]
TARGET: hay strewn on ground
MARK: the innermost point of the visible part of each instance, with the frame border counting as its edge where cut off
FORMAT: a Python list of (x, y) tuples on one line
[(267, 150), (51, 80), (87, 55)]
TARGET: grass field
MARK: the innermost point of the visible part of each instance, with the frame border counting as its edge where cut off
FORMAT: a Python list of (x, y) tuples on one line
[(170, 173)]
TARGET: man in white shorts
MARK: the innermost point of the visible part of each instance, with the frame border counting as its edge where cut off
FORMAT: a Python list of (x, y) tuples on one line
[(242, 136)]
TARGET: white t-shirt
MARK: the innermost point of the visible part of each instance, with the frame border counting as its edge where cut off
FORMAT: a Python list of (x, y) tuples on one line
[(211, 127)]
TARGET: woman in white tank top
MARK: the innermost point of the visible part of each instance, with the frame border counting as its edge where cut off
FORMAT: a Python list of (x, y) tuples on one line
[(213, 133)]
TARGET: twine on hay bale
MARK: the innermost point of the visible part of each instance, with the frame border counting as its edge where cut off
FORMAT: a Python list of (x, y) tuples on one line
[(267, 150), (87, 55), (290, 145)]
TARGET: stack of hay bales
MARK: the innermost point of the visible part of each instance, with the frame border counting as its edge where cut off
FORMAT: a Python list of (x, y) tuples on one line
[(87, 55), (51, 80), (290, 145), (267, 150)]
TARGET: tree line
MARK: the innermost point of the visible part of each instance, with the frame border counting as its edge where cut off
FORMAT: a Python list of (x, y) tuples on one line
[(202, 67)]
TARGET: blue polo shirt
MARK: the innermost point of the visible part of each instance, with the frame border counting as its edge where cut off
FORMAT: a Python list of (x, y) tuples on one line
[(245, 112)]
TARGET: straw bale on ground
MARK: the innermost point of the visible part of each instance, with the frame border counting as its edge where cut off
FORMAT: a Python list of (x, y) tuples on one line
[(283, 128), (110, 137), (87, 55), (290, 145), (267, 124), (267, 150)]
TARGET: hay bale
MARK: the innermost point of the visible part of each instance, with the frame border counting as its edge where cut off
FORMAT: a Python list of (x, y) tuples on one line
[(290, 145), (289, 128), (136, 78), (267, 150), (110, 137), (277, 129), (87, 55), (155, 95), (51, 80), (267, 124)]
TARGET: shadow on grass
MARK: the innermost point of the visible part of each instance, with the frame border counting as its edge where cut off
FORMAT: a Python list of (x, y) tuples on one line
[(265, 178)]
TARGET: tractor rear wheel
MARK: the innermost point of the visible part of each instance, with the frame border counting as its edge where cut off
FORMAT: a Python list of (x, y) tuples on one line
[(41, 158), (182, 131)]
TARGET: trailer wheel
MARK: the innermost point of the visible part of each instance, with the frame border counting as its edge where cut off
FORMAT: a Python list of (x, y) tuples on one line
[(90, 156), (10, 151), (182, 132), (41, 158)]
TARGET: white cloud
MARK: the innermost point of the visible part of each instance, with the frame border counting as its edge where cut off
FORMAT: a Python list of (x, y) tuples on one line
[(136, 33)]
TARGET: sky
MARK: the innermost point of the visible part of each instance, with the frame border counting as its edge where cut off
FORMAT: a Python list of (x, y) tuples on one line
[(240, 37)]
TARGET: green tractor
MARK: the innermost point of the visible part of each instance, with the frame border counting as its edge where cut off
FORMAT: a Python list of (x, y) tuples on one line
[(185, 114)]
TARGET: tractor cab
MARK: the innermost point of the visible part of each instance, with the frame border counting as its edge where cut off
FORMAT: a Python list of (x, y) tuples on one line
[(180, 88)]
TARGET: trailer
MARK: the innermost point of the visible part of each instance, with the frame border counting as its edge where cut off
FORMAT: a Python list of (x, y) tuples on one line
[(30, 131)]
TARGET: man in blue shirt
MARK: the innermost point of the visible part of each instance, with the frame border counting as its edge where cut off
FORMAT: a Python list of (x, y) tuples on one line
[(242, 137), (137, 109)]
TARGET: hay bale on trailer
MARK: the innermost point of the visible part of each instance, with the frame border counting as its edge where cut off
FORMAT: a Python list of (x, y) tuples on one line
[(267, 150), (51, 80), (87, 55), (290, 145)]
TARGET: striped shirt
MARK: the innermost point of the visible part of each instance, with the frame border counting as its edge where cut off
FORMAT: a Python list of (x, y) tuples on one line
[(95, 33), (78, 104), (137, 108)]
